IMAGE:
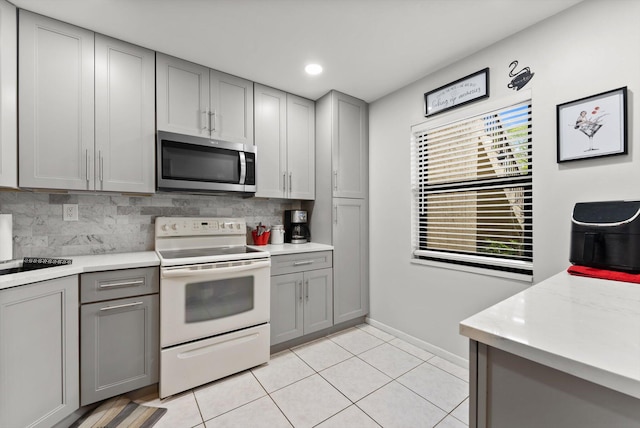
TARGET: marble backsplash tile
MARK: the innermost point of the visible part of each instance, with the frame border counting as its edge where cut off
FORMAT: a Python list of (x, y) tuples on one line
[(117, 223)]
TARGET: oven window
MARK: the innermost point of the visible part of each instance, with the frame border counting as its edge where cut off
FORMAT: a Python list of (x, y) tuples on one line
[(196, 163), (210, 300)]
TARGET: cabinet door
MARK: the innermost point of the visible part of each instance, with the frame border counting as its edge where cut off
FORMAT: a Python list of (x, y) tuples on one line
[(301, 147), (39, 353), (8, 96), (349, 147), (286, 307), (318, 300), (182, 92), (231, 113), (119, 347), (350, 260), (125, 116), (271, 140), (56, 104)]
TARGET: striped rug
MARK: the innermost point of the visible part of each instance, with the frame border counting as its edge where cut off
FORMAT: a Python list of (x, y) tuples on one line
[(120, 412)]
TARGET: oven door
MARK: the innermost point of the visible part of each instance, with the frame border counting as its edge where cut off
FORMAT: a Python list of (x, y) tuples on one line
[(193, 163), (205, 300)]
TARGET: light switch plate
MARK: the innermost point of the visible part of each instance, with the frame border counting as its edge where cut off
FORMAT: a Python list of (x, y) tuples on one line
[(70, 212)]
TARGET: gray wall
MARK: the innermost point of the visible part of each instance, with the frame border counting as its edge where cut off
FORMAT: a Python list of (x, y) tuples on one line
[(587, 49), (116, 223)]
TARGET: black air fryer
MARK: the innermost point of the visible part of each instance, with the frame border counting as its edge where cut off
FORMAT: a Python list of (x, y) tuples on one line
[(606, 235)]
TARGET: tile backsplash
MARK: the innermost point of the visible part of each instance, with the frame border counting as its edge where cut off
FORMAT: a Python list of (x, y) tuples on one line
[(114, 223)]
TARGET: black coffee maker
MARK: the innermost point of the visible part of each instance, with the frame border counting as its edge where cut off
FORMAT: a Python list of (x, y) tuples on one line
[(296, 230)]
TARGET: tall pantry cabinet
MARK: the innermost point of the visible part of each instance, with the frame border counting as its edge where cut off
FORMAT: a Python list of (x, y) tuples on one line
[(339, 215)]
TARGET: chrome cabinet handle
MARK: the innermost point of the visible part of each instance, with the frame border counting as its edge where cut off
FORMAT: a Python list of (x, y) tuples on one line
[(205, 117), (335, 217), (300, 288), (290, 182), (126, 305), (212, 115), (123, 284), (305, 262), (86, 159), (284, 182), (306, 293), (335, 180), (101, 159)]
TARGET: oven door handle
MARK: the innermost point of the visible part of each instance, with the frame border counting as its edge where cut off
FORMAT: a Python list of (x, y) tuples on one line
[(211, 268)]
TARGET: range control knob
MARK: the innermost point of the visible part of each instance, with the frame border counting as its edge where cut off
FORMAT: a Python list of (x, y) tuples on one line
[(164, 227)]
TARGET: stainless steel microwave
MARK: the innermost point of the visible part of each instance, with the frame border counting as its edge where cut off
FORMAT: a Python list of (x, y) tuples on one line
[(196, 164)]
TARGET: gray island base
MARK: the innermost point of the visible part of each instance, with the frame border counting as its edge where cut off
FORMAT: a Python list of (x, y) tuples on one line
[(564, 353)]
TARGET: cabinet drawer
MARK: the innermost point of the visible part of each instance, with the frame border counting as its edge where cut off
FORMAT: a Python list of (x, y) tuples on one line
[(301, 262), (115, 284)]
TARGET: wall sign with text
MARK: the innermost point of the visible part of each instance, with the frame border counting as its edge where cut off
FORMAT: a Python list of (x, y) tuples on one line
[(471, 88)]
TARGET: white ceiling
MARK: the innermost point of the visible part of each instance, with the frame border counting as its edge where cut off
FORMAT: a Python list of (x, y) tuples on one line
[(368, 48)]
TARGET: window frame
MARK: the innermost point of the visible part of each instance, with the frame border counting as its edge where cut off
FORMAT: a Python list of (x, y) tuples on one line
[(484, 264)]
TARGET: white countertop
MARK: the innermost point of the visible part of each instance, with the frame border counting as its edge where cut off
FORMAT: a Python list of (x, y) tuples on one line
[(96, 263), (79, 264), (586, 327), (278, 249)]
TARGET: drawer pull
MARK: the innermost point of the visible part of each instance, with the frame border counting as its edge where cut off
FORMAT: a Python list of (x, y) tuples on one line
[(301, 263), (126, 305), (123, 284)]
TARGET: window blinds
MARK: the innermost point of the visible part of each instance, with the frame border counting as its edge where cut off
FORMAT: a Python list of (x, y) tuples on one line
[(473, 190)]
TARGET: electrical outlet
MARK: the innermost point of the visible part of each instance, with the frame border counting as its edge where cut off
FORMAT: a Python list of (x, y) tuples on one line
[(70, 212)]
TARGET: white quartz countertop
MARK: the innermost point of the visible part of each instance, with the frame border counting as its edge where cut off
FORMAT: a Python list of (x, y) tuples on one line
[(277, 249), (586, 327), (79, 264)]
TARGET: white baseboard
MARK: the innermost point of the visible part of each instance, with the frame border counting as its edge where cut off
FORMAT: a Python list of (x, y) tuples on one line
[(452, 358)]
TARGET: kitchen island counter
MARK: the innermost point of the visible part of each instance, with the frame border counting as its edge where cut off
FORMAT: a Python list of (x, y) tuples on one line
[(566, 329)]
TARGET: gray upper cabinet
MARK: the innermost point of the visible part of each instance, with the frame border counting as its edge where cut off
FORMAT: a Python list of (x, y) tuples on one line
[(125, 116), (194, 100), (182, 96), (86, 105), (39, 383), (285, 137), (8, 96), (271, 141), (56, 104), (350, 240), (301, 147), (231, 108), (349, 146)]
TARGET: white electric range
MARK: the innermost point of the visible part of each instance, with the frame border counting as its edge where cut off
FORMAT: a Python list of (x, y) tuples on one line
[(214, 301)]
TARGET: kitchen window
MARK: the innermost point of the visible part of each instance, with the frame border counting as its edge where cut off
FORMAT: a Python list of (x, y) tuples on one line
[(472, 184)]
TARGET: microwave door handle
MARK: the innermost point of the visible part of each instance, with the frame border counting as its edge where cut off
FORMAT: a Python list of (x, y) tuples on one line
[(173, 273), (243, 167)]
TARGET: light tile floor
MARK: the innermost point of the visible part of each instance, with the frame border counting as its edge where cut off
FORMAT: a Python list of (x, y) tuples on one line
[(360, 377)]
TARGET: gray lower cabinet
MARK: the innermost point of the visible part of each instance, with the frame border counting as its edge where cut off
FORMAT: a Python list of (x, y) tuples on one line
[(351, 276), (301, 301), (39, 353), (119, 348)]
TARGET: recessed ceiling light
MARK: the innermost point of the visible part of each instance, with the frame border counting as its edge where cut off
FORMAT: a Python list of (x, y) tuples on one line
[(313, 69)]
